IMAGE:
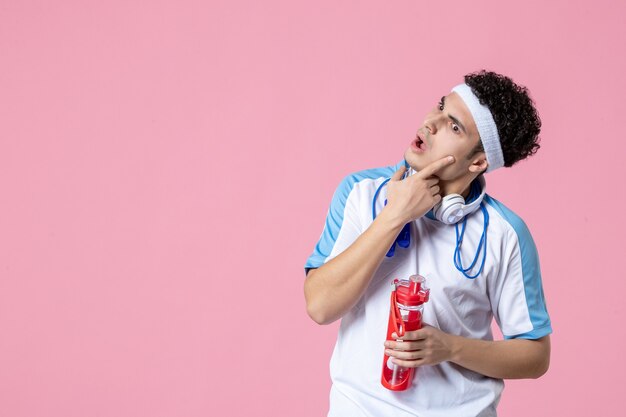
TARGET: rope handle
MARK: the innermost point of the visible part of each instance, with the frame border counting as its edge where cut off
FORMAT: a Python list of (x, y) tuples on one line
[(396, 317)]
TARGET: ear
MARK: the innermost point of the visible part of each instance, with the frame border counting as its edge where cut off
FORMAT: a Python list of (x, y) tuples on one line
[(479, 163)]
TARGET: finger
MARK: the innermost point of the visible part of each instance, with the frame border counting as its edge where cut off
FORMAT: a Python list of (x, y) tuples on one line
[(432, 181), (405, 346), (397, 176), (419, 334), (408, 364), (432, 168), (409, 355), (434, 190)]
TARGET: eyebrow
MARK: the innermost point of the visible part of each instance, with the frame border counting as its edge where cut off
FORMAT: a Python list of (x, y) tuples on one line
[(454, 119)]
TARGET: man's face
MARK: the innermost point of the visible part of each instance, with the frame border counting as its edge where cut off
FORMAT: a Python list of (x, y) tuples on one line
[(448, 129)]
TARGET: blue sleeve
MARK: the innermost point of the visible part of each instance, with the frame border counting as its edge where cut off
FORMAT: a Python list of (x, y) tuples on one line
[(522, 294), (533, 288), (336, 221), (343, 222)]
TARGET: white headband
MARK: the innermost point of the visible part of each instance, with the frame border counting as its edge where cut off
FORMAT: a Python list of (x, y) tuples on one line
[(486, 126)]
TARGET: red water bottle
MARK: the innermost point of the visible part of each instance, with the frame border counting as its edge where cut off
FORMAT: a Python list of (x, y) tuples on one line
[(405, 314)]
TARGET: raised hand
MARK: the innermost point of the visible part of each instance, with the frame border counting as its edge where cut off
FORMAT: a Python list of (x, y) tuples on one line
[(412, 197)]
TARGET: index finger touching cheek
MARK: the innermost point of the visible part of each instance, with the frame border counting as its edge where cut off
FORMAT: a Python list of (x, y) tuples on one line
[(436, 166)]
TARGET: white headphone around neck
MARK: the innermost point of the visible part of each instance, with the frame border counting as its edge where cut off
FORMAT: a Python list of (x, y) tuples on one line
[(452, 208)]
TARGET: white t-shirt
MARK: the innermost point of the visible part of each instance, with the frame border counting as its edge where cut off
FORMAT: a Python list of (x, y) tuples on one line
[(508, 289)]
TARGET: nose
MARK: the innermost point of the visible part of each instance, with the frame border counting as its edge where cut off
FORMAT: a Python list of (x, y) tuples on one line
[(431, 123)]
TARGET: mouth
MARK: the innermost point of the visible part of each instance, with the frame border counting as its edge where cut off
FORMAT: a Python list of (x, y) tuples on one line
[(418, 144)]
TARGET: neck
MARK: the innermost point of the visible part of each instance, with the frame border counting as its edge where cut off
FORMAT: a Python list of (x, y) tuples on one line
[(459, 186)]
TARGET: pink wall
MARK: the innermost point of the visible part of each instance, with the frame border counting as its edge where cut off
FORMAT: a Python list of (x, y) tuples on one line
[(165, 169)]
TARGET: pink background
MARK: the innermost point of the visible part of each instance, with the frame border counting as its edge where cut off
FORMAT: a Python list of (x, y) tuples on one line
[(166, 166)]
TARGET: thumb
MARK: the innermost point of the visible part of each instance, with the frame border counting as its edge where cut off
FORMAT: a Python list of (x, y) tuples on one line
[(397, 176)]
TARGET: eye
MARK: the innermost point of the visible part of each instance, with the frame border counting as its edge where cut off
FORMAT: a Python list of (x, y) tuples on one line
[(440, 105), (456, 128)]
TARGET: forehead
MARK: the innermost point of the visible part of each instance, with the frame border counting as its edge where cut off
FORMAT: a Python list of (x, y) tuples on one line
[(455, 106)]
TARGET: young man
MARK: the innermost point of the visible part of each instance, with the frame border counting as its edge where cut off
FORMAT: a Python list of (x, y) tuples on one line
[(478, 257)]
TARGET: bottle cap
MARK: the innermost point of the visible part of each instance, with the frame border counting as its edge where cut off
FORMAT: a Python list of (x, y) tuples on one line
[(412, 292)]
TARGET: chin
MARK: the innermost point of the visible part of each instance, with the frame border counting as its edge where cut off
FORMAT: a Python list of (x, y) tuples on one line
[(415, 161)]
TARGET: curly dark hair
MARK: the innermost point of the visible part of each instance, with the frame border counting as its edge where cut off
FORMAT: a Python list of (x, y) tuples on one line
[(513, 111)]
